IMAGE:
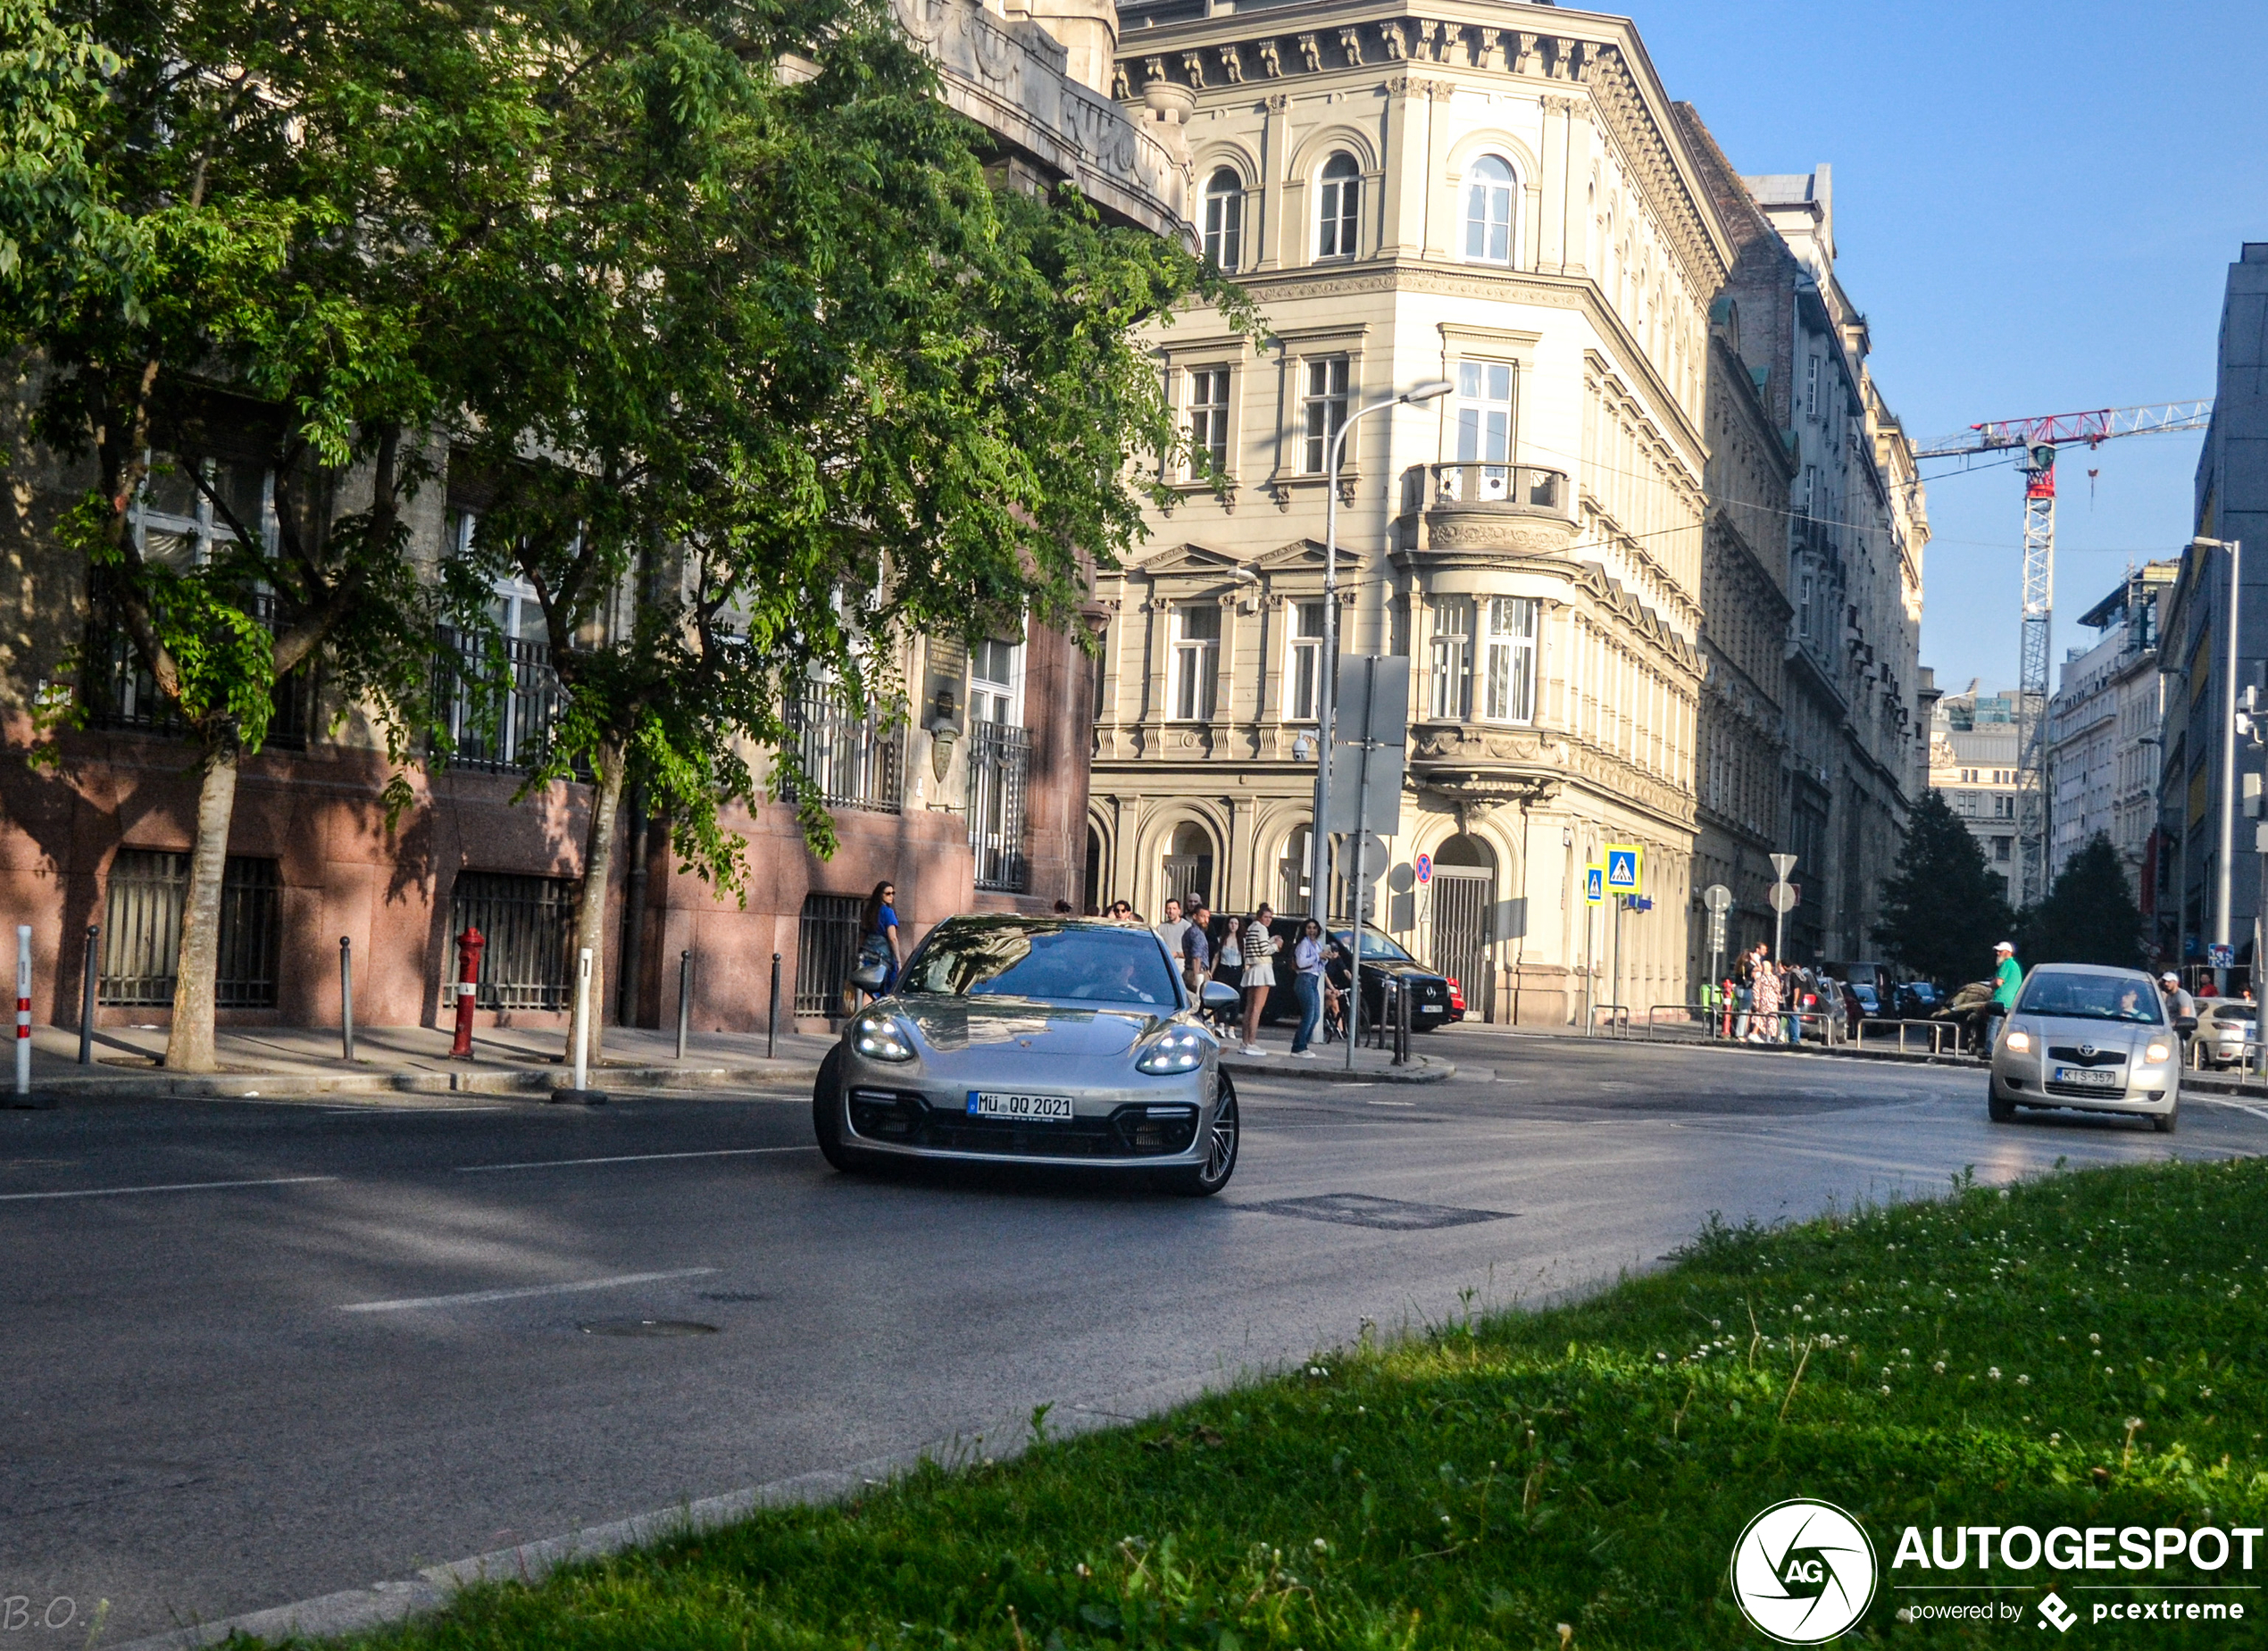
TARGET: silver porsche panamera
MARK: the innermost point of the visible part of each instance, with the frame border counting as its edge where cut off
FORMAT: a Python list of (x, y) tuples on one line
[(1057, 1041)]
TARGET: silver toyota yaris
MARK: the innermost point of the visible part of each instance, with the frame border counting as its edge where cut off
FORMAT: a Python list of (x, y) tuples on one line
[(2089, 1037), (1034, 1040)]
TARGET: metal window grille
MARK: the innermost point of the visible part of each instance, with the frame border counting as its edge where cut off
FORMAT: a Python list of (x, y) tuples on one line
[(1000, 763), (498, 721), (528, 924), (1462, 906), (853, 761), (120, 693), (148, 891), (827, 942)]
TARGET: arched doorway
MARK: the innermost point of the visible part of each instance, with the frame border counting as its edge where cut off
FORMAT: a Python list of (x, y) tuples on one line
[(1188, 868), (1464, 914), (1092, 898), (1294, 870)]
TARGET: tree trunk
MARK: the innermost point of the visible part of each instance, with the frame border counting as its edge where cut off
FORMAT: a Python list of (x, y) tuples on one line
[(189, 1046), (590, 900)]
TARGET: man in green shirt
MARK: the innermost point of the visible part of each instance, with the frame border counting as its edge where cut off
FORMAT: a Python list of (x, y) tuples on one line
[(2007, 975)]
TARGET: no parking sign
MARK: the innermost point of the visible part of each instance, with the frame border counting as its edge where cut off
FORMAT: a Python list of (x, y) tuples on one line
[(1425, 868)]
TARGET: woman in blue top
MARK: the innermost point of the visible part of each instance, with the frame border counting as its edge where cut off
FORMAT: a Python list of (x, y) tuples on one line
[(879, 935)]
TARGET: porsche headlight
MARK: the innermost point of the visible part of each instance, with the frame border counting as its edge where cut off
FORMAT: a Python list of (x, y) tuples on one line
[(2021, 1042), (877, 1037), (1180, 1049), (2156, 1053)]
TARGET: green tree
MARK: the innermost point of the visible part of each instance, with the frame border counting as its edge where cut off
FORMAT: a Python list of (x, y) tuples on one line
[(256, 209), (770, 375), (1943, 909), (2089, 916)]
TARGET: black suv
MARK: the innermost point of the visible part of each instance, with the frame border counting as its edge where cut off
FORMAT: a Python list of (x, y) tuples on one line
[(1382, 959)]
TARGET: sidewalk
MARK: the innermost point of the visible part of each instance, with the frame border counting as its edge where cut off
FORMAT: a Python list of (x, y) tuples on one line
[(281, 1061)]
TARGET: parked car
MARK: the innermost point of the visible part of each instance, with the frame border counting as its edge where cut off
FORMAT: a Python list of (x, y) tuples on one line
[(1915, 1000), (2091, 1038), (2223, 1029), (1870, 986), (1034, 1040), (1383, 960)]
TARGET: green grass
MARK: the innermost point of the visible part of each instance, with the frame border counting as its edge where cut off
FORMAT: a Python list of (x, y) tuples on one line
[(2083, 1349)]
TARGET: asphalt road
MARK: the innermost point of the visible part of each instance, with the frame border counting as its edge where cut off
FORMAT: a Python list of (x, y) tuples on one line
[(358, 1360)]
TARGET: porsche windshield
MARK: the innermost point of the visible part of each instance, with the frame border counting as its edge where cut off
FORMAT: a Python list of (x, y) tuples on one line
[(2090, 997), (1079, 963)]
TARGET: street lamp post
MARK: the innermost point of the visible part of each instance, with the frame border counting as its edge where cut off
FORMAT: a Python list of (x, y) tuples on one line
[(2223, 861), (1318, 849)]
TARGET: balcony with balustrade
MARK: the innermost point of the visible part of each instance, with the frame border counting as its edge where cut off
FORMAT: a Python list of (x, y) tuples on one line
[(1521, 510)]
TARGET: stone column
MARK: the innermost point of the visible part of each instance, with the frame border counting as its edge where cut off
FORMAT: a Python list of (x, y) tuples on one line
[(1267, 210), (1551, 215), (1575, 257), (1401, 192)]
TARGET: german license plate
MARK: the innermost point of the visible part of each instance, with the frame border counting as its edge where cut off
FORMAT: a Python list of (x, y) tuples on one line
[(2086, 1079), (1021, 1108)]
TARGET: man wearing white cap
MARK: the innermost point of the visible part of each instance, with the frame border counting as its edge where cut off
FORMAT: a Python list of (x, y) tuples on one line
[(2181, 1008), (2007, 975)]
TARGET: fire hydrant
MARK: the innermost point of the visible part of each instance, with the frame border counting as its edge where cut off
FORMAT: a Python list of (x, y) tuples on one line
[(469, 944)]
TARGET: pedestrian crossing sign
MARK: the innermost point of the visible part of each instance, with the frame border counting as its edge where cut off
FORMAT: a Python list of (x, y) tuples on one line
[(1594, 885), (1625, 868)]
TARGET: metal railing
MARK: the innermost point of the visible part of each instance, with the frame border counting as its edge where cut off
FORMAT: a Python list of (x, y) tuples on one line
[(527, 922), (498, 721), (827, 946), (1518, 486), (999, 766), (143, 906), (120, 693), (846, 752), (1942, 1033)]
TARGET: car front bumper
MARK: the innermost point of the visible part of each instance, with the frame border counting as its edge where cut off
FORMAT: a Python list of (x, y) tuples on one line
[(1131, 1122), (2149, 1090)]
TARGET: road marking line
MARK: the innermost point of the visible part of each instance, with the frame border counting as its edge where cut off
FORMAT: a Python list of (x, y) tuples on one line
[(119, 1192), (475, 1297), (2214, 1100), (634, 1157)]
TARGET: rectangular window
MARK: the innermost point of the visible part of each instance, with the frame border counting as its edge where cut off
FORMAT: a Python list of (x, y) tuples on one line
[(1208, 424), (1803, 606), (827, 943), (1807, 492), (1452, 697), (1484, 425), (528, 924), (1511, 659), (1197, 661), (1811, 386), (1303, 667), (1325, 409), (995, 674), (141, 930)]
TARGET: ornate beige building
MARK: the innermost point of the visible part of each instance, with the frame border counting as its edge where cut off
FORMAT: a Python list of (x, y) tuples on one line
[(1499, 195)]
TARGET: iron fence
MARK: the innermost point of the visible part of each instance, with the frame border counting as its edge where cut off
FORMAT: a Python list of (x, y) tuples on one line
[(120, 693), (143, 906), (999, 765), (827, 943), (527, 922), (846, 754), (499, 710)]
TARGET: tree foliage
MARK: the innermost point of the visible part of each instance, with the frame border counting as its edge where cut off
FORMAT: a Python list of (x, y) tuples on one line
[(2089, 916), (1943, 909)]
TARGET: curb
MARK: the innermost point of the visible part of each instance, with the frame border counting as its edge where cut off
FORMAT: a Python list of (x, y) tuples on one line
[(532, 1083), (1424, 1069)]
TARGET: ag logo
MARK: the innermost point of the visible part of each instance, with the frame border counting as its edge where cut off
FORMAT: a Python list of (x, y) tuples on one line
[(1803, 1571)]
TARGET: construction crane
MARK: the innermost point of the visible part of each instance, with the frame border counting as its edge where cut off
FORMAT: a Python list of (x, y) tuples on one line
[(2037, 440)]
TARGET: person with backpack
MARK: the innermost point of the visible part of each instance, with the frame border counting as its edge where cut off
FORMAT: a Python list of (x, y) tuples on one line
[(878, 936)]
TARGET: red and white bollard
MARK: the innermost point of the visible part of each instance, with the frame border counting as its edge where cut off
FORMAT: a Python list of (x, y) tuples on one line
[(469, 944), (23, 1011)]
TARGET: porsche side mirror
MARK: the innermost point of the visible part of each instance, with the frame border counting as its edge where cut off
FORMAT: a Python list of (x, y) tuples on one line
[(1220, 998)]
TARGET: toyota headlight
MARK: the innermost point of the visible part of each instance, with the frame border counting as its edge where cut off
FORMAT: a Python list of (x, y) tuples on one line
[(2156, 1053), (878, 1039), (1181, 1049), (2021, 1042)]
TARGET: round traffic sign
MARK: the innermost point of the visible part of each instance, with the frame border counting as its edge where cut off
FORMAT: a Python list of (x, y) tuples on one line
[(1784, 898), (1717, 897), (1424, 868)]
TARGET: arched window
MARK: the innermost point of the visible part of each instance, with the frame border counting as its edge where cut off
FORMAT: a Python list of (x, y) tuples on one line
[(1487, 210), (1225, 219), (1338, 207)]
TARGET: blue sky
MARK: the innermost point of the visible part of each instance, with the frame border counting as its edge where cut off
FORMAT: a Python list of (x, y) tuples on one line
[(2035, 207)]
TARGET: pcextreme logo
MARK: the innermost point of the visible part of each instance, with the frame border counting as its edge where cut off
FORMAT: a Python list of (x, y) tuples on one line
[(1803, 1571)]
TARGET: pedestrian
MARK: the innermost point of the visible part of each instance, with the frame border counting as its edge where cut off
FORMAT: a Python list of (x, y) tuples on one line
[(1308, 981), (1260, 947), (2008, 977), (877, 931), (1764, 994), (1197, 947), (1170, 930), (1744, 983), (2181, 1010)]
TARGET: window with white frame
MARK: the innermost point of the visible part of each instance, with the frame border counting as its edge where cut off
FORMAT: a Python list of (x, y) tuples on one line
[(1324, 407), (1803, 606), (1484, 424), (1208, 424), (1338, 207), (1487, 210), (1197, 660), (1811, 386), (177, 522), (996, 681), (513, 604), (1303, 662), (1225, 219), (1451, 699), (1511, 694)]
